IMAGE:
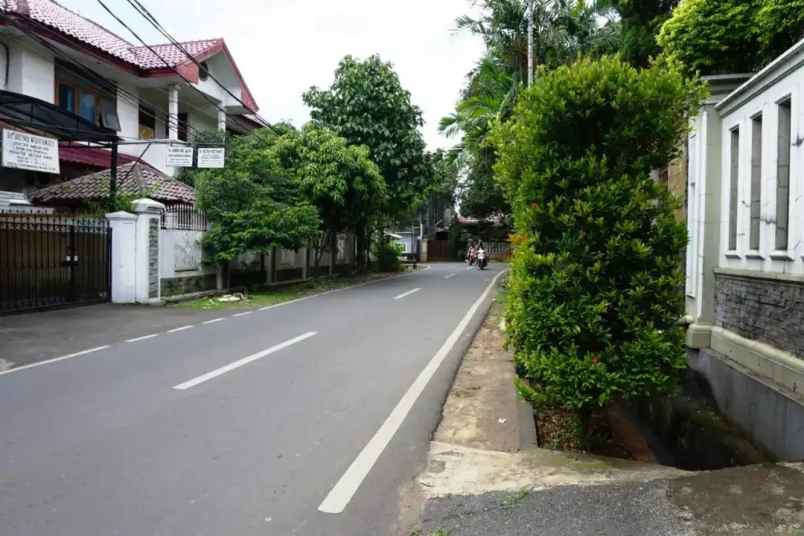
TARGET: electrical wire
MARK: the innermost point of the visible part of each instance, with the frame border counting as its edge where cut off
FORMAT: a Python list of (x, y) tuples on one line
[(142, 10), (161, 58)]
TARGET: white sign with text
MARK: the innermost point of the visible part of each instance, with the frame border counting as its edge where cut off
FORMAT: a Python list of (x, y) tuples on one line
[(211, 157), (179, 156), (29, 151)]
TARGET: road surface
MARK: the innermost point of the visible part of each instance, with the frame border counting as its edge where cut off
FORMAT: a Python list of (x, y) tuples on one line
[(306, 418)]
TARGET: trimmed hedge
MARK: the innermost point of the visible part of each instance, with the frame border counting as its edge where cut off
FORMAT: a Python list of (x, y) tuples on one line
[(596, 284)]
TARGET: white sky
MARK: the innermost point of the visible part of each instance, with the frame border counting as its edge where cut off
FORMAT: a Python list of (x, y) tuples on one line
[(282, 47)]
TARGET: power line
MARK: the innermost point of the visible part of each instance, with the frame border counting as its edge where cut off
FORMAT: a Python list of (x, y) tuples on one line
[(142, 10), (92, 77), (167, 64), (113, 90)]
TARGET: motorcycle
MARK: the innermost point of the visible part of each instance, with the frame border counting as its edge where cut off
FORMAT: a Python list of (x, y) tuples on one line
[(481, 259)]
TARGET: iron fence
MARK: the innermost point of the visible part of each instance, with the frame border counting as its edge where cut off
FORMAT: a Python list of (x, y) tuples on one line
[(184, 218), (48, 260)]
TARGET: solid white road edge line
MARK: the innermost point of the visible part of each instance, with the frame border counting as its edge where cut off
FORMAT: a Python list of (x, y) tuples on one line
[(176, 330), (55, 359), (241, 362), (408, 293), (340, 496), (243, 314), (144, 337), (206, 322), (350, 287)]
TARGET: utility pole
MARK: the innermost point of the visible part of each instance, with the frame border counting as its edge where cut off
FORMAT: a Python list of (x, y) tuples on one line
[(530, 42)]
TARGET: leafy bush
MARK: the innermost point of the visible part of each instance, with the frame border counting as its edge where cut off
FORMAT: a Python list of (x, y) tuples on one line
[(596, 279), (731, 36), (387, 255)]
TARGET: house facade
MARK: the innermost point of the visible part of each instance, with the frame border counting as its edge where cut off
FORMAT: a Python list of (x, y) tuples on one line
[(745, 258), (158, 93)]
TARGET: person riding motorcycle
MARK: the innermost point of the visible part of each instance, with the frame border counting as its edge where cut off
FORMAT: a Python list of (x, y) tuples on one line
[(482, 260), (471, 254)]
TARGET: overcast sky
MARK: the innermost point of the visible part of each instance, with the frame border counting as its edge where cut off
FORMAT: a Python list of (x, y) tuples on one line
[(283, 47)]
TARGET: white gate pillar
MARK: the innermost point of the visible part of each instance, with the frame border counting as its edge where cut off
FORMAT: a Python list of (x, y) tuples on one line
[(124, 232), (146, 250)]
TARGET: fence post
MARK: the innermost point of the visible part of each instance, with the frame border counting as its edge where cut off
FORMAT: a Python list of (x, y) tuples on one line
[(148, 281), (123, 258)]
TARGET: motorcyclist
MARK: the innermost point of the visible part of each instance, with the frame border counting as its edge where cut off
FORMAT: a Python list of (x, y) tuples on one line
[(482, 260), (471, 253)]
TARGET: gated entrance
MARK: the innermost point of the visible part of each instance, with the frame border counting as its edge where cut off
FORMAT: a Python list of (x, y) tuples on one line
[(50, 261)]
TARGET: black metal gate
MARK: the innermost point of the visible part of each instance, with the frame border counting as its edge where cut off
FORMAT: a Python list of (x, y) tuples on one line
[(51, 261)]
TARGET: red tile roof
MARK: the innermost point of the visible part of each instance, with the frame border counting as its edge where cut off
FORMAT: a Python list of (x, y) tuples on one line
[(56, 17), (172, 54), (133, 179), (91, 156)]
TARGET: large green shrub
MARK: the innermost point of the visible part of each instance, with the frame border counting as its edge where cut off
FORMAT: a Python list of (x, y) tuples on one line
[(731, 36), (596, 286), (386, 254)]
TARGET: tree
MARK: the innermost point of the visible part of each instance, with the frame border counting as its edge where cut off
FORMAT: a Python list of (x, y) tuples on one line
[(339, 179), (367, 105), (780, 24), (254, 203), (714, 36), (563, 29), (637, 25), (730, 36), (594, 293)]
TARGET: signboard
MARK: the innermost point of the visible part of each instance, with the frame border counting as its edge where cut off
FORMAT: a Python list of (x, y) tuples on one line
[(211, 157), (179, 156), (29, 151)]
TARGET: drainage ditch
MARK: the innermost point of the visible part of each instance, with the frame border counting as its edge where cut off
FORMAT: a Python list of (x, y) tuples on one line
[(685, 430)]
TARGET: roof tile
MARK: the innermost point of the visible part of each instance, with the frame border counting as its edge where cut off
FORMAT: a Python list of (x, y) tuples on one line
[(135, 178)]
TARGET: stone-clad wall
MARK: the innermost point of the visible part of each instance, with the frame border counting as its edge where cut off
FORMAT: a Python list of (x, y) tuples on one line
[(766, 310), (175, 286)]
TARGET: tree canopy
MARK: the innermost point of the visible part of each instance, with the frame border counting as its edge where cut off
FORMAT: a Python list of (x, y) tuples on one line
[(254, 203), (731, 36), (367, 105)]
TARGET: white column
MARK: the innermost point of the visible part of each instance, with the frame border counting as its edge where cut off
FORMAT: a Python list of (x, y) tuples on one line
[(173, 112), (124, 231), (146, 250), (222, 120)]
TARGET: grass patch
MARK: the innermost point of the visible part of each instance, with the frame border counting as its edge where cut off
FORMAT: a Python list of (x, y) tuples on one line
[(275, 295)]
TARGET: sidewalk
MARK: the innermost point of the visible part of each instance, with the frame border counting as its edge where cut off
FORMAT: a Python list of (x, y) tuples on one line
[(481, 481)]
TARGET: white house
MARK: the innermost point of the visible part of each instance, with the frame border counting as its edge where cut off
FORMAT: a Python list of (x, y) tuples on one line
[(157, 93), (745, 259)]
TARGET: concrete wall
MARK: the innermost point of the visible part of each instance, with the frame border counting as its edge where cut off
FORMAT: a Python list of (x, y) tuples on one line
[(31, 72), (747, 306), (129, 115), (774, 420), (180, 251)]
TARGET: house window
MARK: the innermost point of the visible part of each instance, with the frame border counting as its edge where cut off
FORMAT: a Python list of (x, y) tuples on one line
[(183, 126), (756, 182), (66, 97), (88, 106), (93, 99), (783, 176), (734, 183), (147, 123)]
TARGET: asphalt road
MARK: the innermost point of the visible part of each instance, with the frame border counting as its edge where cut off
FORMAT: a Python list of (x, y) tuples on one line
[(246, 425)]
